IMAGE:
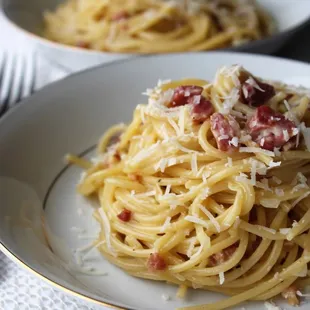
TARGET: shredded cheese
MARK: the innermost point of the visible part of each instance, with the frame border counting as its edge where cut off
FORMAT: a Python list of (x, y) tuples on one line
[(306, 134), (255, 150), (107, 230), (222, 278), (166, 224), (273, 164), (271, 306), (211, 218), (191, 247), (286, 135), (165, 297), (284, 231), (168, 188), (234, 141)]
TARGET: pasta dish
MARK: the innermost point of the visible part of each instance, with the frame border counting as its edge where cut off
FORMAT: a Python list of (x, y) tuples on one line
[(133, 26), (207, 188)]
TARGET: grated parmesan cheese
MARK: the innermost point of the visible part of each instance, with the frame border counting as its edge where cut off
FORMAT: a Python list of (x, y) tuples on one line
[(196, 99), (191, 247), (301, 178), (291, 115), (242, 178), (166, 224), (284, 231), (271, 306), (107, 230), (168, 188), (286, 135), (273, 164), (245, 138), (299, 293), (165, 297), (174, 126), (255, 150), (253, 83), (223, 137), (171, 162), (234, 141), (182, 148), (221, 277), (163, 82), (306, 134), (295, 224), (211, 218)]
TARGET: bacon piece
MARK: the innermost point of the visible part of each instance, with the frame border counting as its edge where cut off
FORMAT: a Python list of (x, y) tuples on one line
[(156, 262), (221, 257), (255, 93), (270, 129), (121, 15), (201, 110), (224, 128), (125, 215), (117, 156), (290, 295), (183, 94)]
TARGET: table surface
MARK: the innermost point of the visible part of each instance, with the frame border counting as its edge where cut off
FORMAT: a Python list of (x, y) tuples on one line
[(20, 290)]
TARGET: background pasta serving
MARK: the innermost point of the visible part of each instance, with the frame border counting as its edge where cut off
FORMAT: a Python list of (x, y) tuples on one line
[(134, 26)]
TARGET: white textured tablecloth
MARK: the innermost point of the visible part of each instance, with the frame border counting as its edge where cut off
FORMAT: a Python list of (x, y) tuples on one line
[(19, 289)]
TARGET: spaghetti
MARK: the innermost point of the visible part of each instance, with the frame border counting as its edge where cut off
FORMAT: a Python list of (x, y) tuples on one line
[(157, 26), (207, 188)]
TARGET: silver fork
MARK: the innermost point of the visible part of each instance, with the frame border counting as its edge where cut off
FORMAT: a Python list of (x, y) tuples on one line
[(17, 79)]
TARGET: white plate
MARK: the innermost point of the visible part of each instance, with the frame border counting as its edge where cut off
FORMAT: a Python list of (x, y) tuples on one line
[(26, 17), (69, 116)]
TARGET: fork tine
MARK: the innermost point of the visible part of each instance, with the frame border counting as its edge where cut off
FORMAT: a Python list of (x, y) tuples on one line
[(6, 82), (33, 68), (2, 70), (18, 80)]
